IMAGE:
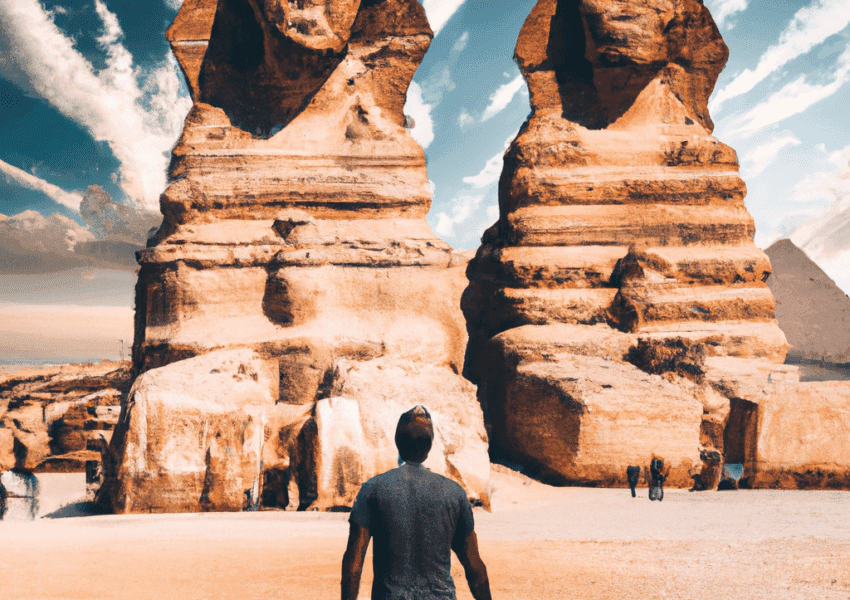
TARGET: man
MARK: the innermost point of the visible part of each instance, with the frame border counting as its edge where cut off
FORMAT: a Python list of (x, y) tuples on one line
[(417, 518)]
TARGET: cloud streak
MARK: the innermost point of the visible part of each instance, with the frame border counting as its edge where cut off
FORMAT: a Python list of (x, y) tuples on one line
[(440, 11), (758, 159), (724, 10), (792, 99), (22, 178), (416, 107), (502, 97), (137, 112), (810, 26), (462, 209)]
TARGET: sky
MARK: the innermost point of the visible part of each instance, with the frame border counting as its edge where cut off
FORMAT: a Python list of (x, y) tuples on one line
[(90, 95)]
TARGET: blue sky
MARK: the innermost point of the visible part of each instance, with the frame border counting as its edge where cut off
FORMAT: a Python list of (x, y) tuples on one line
[(89, 94)]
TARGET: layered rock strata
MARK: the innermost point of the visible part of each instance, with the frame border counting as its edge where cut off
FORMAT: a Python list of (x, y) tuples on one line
[(294, 228), (619, 211), (57, 418)]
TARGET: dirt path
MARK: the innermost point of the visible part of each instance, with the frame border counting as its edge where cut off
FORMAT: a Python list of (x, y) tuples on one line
[(539, 543)]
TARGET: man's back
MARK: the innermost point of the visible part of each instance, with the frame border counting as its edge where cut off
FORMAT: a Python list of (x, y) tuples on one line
[(415, 517)]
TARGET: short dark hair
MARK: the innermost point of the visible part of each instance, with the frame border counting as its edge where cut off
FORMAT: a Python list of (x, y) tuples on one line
[(414, 434)]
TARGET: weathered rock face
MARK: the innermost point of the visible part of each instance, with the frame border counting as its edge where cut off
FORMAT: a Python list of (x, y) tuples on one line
[(54, 419), (295, 227), (797, 437), (619, 210)]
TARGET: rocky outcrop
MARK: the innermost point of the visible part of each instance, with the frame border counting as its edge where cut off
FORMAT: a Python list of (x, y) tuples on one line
[(795, 438), (620, 212), (813, 312), (54, 419), (294, 228)]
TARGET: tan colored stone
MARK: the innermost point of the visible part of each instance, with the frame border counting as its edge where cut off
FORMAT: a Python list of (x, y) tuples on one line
[(356, 427), (583, 420), (799, 438)]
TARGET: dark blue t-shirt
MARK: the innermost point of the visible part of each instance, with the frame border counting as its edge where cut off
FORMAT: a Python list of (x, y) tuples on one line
[(414, 516)]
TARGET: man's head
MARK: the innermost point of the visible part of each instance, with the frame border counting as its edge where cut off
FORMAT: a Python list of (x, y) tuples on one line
[(414, 434)]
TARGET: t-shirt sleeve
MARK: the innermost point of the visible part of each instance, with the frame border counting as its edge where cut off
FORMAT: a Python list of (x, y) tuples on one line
[(465, 523), (360, 514)]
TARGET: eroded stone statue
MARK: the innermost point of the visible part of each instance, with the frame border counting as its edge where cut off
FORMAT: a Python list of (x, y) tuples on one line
[(294, 301), (619, 301)]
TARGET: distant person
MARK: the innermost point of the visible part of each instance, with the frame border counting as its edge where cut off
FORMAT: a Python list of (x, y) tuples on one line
[(633, 474), (417, 518), (658, 474)]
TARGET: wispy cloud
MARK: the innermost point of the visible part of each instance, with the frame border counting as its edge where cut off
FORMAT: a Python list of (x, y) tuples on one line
[(416, 107), (502, 97), (462, 209), (810, 26), (724, 10), (22, 178), (440, 11), (792, 99), (758, 159), (489, 174), (460, 44), (174, 4), (827, 237), (464, 118), (137, 111), (492, 170)]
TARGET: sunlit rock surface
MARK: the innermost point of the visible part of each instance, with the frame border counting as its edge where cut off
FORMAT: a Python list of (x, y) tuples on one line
[(619, 213), (294, 228)]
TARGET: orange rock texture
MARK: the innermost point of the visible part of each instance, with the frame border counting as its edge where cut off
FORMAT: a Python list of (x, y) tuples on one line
[(620, 213), (294, 240)]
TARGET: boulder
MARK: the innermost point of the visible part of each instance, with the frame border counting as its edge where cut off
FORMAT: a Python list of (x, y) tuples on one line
[(191, 436), (798, 438), (574, 419), (19, 495), (356, 427)]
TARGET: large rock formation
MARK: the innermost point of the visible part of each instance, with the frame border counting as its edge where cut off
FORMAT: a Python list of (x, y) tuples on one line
[(621, 212), (795, 438), (294, 229), (56, 418)]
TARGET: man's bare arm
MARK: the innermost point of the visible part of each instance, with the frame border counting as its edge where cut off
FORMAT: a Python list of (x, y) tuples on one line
[(352, 561), (473, 566)]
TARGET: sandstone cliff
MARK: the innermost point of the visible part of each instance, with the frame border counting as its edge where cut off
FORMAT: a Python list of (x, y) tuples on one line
[(620, 215), (294, 244)]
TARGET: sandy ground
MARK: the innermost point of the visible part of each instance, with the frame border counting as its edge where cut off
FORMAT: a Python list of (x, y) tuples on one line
[(538, 543)]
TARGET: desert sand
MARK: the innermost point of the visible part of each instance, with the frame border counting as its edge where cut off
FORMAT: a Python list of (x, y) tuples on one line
[(539, 543)]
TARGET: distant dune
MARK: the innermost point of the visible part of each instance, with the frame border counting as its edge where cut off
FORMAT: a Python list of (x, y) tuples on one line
[(811, 309), (38, 334)]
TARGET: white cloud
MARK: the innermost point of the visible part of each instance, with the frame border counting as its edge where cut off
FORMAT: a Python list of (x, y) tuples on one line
[(724, 10), (489, 174), (758, 159), (460, 44), (502, 97), (462, 209), (34, 232), (440, 11), (810, 26), (13, 174), (174, 4), (792, 99), (138, 112), (415, 106), (465, 118), (827, 237), (492, 170), (493, 212)]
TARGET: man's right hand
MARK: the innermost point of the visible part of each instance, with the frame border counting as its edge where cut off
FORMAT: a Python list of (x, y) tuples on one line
[(473, 566)]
